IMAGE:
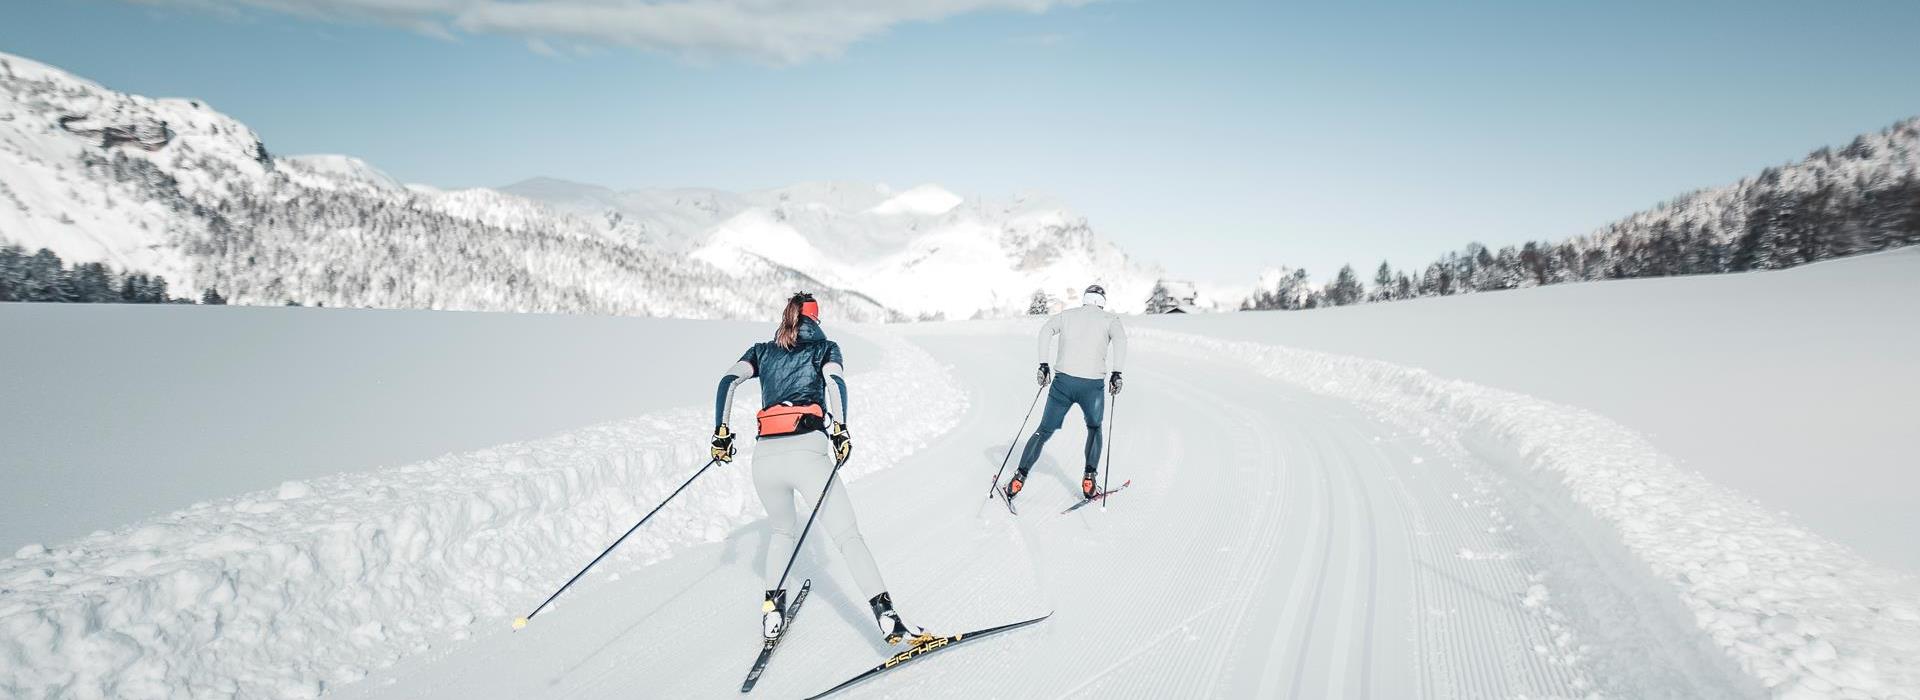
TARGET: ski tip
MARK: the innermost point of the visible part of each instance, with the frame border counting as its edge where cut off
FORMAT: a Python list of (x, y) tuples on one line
[(519, 623)]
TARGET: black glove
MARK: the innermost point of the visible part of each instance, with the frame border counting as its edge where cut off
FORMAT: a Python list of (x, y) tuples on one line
[(842, 443), (722, 444), (1044, 375), (1113, 383)]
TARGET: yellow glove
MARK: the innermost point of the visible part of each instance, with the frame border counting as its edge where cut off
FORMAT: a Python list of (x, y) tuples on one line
[(842, 443), (722, 444)]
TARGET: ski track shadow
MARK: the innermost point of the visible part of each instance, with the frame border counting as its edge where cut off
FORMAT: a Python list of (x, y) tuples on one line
[(758, 531), (614, 640), (846, 603), (732, 555), (1046, 463), (996, 453)]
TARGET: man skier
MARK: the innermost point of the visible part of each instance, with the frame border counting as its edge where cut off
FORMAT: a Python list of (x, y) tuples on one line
[(1075, 370)]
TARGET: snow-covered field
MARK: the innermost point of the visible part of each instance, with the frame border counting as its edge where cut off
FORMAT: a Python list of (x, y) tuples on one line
[(1302, 524), (1800, 387), (117, 413)]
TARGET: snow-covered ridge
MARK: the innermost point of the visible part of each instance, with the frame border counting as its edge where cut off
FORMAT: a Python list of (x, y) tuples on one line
[(924, 252), (175, 188), (926, 200), (1803, 615), (329, 170), (287, 593)]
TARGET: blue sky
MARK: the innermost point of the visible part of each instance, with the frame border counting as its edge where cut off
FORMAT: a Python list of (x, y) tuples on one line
[(1216, 138)]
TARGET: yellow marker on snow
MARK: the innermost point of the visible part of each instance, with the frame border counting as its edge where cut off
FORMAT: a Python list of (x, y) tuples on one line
[(519, 623)]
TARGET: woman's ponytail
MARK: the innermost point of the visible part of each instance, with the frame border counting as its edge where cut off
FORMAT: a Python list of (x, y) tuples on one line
[(789, 333)]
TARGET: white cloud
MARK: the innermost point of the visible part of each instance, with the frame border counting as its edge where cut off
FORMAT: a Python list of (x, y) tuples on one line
[(776, 31), (1047, 39)]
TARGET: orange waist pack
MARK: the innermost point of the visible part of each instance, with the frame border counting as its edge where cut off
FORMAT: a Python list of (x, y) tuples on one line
[(785, 419)]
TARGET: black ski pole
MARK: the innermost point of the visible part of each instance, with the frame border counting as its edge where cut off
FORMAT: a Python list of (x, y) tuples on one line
[(1016, 441), (802, 540), (1113, 407), (522, 622)]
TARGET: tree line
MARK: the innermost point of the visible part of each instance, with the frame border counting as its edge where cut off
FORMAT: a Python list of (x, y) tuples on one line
[(42, 276), (1859, 199)]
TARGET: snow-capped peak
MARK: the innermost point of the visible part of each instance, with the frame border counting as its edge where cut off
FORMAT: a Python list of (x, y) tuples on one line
[(925, 200), (338, 169)]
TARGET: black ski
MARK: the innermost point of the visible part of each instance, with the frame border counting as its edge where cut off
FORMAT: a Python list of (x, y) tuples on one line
[(767, 647), (1097, 497), (923, 648)]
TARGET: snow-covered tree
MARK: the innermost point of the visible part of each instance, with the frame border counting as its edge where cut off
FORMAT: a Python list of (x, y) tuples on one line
[(1345, 289), (1041, 304), (1161, 300), (1383, 289)]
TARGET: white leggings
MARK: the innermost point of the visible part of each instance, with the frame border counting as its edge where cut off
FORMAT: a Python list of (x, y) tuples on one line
[(783, 466)]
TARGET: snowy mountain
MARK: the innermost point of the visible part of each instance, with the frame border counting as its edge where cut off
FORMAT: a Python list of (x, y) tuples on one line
[(925, 252), (172, 187)]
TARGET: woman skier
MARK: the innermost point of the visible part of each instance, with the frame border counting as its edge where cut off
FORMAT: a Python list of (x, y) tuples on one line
[(802, 439)]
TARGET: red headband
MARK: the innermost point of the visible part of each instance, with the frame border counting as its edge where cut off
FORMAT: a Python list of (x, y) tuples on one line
[(810, 309)]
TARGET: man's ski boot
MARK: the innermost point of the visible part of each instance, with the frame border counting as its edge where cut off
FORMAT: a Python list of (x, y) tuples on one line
[(892, 628), (1089, 486), (773, 614), (1013, 486)]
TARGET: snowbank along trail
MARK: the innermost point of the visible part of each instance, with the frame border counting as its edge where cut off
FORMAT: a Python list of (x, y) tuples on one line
[(293, 592)]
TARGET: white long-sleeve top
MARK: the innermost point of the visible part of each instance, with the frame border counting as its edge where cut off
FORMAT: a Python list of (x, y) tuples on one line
[(1085, 333)]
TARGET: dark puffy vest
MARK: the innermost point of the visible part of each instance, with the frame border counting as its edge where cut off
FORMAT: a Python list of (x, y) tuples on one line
[(793, 376)]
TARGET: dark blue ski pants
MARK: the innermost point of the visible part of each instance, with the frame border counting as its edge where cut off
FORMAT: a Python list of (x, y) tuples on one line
[(1068, 391)]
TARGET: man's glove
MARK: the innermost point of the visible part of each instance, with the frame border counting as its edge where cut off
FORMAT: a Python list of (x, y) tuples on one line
[(722, 444), (1044, 375), (1113, 383), (842, 443)]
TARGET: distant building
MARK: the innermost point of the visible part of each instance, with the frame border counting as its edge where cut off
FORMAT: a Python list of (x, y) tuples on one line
[(1173, 296)]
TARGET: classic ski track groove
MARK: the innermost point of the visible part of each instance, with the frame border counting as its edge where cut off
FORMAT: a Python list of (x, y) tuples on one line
[(1367, 601), (1208, 661), (1319, 576)]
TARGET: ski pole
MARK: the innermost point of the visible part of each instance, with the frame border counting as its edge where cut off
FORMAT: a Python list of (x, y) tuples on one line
[(802, 540), (1113, 407), (1016, 441), (522, 622)]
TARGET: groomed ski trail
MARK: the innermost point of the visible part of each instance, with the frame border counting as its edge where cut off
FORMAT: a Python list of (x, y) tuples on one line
[(1276, 544)]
